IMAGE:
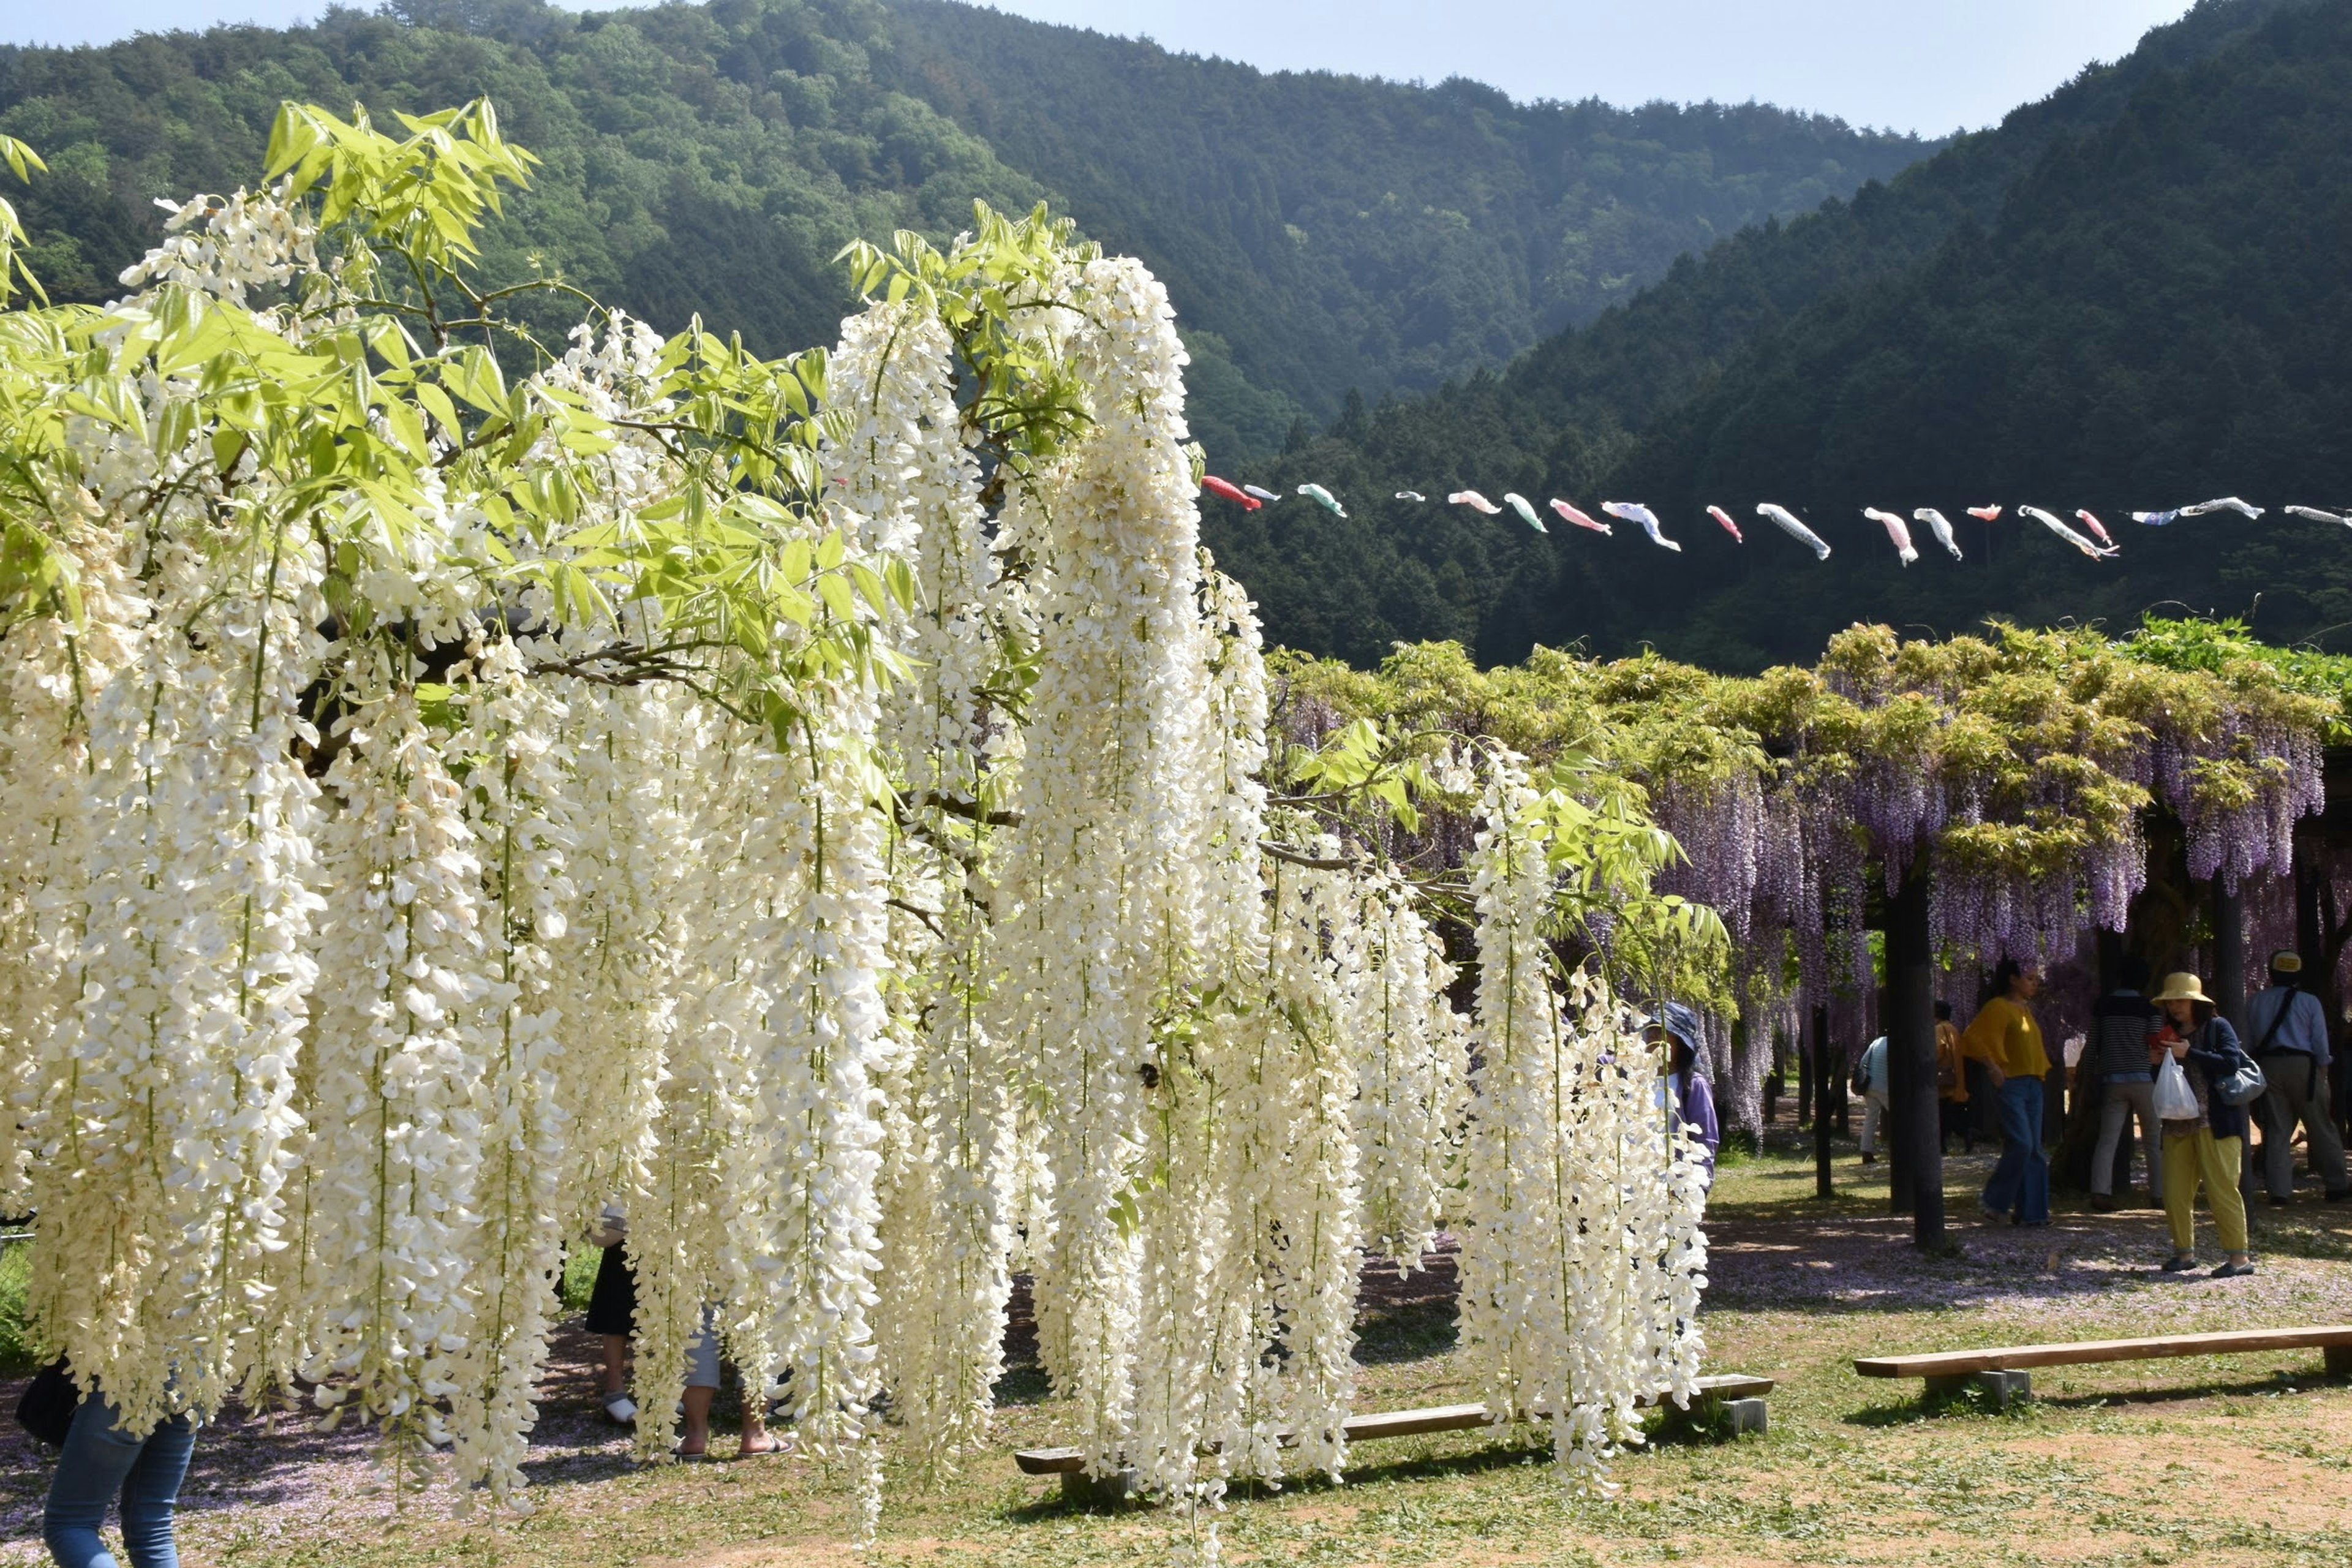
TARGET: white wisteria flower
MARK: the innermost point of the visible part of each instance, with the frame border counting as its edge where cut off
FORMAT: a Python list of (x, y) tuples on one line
[(827, 809)]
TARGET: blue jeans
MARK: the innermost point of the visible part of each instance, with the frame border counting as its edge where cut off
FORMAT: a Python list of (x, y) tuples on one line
[(2021, 1182), (101, 1460)]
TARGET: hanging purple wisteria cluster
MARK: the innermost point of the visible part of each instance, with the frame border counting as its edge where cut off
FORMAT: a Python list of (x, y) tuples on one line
[(2026, 784), (2240, 795), (2026, 770)]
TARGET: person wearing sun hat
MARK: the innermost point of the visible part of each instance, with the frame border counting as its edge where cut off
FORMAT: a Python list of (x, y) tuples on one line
[(2205, 1149), (2289, 1031)]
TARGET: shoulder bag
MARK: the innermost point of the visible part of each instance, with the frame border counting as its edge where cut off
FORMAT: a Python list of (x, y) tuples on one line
[(2244, 1083), (47, 1407)]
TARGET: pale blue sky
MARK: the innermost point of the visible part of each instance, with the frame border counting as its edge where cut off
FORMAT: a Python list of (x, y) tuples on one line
[(1912, 65)]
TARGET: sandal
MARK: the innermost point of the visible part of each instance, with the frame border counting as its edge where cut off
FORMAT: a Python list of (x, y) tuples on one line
[(620, 1410)]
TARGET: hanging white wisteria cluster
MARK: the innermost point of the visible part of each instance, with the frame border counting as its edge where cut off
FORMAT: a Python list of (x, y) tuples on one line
[(822, 809), (1558, 1323)]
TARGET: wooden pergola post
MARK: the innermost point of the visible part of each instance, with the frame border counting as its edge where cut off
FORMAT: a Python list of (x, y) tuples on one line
[(1916, 1143)]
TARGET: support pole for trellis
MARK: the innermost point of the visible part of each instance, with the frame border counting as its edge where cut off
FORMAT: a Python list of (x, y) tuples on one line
[(1825, 1078), (1917, 1145), (1900, 1071), (1809, 1100)]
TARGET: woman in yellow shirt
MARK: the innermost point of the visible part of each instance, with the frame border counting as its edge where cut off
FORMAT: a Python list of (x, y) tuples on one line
[(2004, 1036)]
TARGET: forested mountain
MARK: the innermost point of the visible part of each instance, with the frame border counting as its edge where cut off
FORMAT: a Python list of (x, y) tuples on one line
[(2131, 294), (1337, 234), (1317, 232)]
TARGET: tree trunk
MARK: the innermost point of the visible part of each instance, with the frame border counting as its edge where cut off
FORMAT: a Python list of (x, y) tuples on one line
[(1915, 1142), (1744, 1077), (2228, 989), (2319, 937), (2335, 933), (2310, 935), (2070, 1162), (2229, 982)]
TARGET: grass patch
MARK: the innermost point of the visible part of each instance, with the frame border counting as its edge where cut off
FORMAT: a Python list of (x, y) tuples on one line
[(2209, 1460), (15, 1270), (579, 1280)]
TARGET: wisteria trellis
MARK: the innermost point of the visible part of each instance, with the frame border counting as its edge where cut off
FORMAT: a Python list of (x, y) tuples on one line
[(2021, 764), (828, 816)]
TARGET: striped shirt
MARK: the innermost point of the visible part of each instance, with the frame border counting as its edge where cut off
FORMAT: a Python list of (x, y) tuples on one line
[(2121, 1023)]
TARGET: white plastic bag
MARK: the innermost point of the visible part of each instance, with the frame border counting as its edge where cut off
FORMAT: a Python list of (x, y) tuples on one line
[(2175, 1100)]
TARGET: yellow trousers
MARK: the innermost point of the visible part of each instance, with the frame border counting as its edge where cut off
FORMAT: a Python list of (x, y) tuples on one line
[(2199, 1156)]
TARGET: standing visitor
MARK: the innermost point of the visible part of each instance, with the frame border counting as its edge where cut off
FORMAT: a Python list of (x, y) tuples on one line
[(100, 1461), (2005, 1038), (1690, 1102), (613, 1312), (1870, 1082), (1951, 1081), (2289, 1029), (702, 1388), (1984, 1104), (2205, 1147), (2121, 1023)]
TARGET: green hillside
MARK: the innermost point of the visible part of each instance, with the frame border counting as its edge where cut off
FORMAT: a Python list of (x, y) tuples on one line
[(2127, 296), (2158, 315), (1317, 232)]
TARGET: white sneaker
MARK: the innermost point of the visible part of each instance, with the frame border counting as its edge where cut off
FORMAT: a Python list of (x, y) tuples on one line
[(621, 1409)]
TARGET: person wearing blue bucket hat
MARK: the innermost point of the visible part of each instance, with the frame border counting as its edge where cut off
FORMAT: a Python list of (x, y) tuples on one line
[(1674, 1027)]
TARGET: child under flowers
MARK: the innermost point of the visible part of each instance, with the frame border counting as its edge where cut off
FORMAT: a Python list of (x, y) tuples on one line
[(1689, 1101), (702, 1388), (613, 1312), (612, 1317)]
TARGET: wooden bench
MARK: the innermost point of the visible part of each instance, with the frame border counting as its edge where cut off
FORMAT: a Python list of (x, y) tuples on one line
[(1732, 1402), (2004, 1375)]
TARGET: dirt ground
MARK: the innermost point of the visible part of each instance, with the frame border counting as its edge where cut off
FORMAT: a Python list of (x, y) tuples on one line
[(2233, 1460)]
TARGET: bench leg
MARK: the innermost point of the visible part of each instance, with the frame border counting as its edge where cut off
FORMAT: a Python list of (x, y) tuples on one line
[(1744, 1415), (1082, 1491), (2003, 1389), (2339, 1360), (1718, 1418), (2006, 1388)]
